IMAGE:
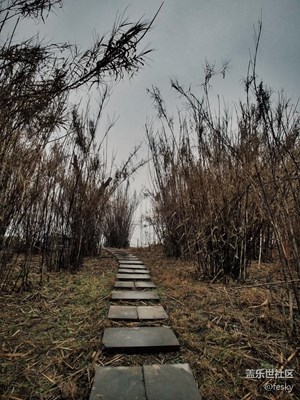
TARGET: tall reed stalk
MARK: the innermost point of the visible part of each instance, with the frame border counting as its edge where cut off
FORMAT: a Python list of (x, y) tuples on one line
[(54, 183), (225, 196)]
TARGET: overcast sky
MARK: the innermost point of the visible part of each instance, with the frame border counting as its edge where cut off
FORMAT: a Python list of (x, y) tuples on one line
[(185, 34)]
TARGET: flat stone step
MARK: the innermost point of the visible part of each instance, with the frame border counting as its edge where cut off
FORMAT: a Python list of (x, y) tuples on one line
[(170, 382), (125, 284), (131, 266), (132, 277), (133, 295), (134, 262), (140, 271), (132, 271), (151, 312), (125, 271), (135, 285), (141, 339), (135, 313), (118, 383), (144, 284), (151, 382), (123, 312)]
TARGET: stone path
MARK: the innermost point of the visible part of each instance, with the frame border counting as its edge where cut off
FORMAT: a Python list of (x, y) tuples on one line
[(133, 295), (138, 340), (134, 285), (133, 277), (147, 382), (135, 313)]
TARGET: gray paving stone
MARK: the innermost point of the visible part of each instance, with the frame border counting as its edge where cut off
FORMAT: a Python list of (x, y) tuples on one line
[(125, 284), (125, 271), (133, 295), (131, 266), (118, 383), (141, 339), (123, 312), (130, 277), (140, 271), (132, 271), (135, 262), (129, 261), (170, 382), (144, 284), (151, 312)]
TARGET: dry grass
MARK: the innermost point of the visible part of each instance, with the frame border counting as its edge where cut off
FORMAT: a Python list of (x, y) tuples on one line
[(224, 330), (52, 335)]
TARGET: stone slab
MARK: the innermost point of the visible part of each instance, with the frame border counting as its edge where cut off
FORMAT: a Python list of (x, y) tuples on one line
[(131, 266), (144, 284), (151, 382), (118, 383), (133, 295), (140, 271), (125, 284), (125, 271), (132, 277), (132, 271), (135, 262), (140, 339), (123, 312), (151, 312), (169, 382)]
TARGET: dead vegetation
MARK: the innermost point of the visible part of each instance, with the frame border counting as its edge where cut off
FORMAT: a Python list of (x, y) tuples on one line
[(225, 185), (118, 220), (225, 330), (55, 180), (51, 335), (221, 199)]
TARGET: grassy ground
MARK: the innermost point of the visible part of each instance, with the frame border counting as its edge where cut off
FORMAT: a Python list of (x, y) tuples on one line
[(51, 336), (225, 330)]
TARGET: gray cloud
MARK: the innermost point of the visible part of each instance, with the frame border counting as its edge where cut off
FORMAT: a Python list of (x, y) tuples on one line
[(185, 34)]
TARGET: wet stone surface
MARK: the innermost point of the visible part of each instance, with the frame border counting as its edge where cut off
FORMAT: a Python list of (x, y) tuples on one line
[(134, 313), (132, 266), (133, 295), (151, 312), (132, 271), (144, 284), (132, 277), (125, 271), (140, 271), (138, 340), (169, 382), (125, 284), (123, 312), (134, 262), (151, 382), (118, 383)]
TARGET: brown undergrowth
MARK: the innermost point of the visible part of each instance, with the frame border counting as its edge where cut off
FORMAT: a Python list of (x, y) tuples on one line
[(52, 335), (225, 330)]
